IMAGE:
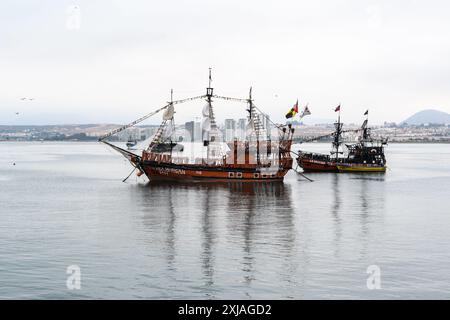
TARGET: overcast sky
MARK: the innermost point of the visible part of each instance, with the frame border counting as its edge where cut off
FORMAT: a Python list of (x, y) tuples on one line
[(113, 61)]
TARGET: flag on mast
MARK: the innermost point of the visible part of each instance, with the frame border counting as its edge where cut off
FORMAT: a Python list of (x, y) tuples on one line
[(338, 108), (293, 111), (367, 112), (305, 112)]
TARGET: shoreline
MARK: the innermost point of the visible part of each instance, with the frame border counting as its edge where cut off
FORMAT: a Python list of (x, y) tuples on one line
[(325, 142)]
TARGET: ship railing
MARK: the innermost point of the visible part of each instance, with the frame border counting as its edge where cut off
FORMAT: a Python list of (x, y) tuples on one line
[(166, 158), (180, 160), (158, 157), (358, 164), (314, 156), (204, 161)]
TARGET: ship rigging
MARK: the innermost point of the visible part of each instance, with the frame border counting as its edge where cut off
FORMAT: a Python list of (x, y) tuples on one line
[(255, 159)]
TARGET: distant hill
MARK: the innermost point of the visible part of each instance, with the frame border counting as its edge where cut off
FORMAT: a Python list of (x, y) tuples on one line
[(428, 116)]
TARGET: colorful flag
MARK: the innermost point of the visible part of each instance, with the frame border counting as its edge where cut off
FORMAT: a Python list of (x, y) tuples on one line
[(367, 112), (338, 108), (305, 112), (293, 111)]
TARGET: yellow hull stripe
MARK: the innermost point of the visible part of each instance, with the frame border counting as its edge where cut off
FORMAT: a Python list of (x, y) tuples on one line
[(361, 169)]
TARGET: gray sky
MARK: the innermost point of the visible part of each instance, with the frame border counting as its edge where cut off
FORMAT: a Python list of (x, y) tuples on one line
[(120, 59)]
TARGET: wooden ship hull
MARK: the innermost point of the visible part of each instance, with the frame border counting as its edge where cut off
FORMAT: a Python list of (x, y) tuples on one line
[(311, 165), (169, 171)]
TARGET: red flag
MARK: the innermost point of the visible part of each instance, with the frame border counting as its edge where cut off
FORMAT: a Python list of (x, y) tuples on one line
[(338, 108)]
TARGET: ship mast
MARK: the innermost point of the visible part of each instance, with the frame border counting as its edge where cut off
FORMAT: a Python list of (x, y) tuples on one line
[(172, 124), (365, 128), (168, 116), (209, 94), (255, 123), (337, 135), (212, 135)]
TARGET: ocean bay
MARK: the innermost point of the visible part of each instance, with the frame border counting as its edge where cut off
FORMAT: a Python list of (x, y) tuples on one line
[(64, 203)]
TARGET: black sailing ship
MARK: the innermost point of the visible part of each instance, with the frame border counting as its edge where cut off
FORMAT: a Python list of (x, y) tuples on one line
[(366, 155)]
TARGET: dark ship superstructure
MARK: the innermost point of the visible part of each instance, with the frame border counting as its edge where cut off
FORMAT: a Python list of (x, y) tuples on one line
[(366, 155)]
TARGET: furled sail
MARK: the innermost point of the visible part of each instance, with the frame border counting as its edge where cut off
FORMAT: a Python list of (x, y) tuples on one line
[(206, 124), (168, 113), (205, 111)]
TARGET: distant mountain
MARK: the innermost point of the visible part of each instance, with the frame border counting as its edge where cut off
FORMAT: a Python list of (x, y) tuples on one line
[(429, 116)]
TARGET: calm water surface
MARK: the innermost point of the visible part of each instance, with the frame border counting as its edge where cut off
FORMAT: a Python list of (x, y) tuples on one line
[(65, 204)]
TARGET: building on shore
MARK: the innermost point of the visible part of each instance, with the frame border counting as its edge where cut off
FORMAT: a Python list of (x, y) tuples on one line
[(241, 129), (230, 130)]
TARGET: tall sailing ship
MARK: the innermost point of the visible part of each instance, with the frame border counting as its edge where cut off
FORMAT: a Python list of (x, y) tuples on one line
[(366, 155), (257, 158)]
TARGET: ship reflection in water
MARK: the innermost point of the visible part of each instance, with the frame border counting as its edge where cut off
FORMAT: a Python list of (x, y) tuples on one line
[(66, 205), (228, 225)]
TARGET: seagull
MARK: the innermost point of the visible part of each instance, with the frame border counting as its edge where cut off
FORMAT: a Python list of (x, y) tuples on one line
[(23, 98), (17, 113)]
